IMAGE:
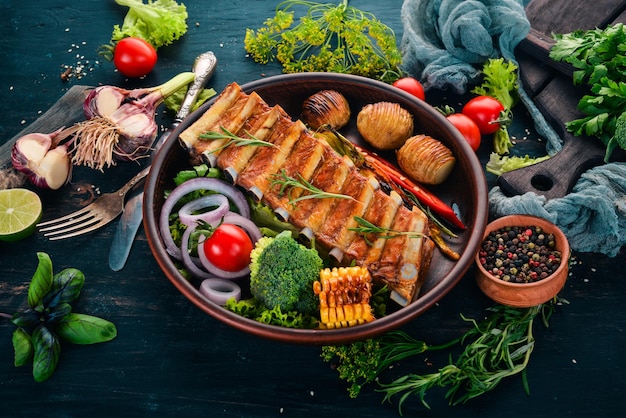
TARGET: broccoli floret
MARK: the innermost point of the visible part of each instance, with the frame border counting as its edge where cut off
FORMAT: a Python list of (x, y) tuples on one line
[(282, 272)]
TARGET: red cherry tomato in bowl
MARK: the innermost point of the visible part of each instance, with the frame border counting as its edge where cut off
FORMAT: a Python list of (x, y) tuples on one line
[(134, 57), (411, 86), (485, 111), (467, 127), (228, 248)]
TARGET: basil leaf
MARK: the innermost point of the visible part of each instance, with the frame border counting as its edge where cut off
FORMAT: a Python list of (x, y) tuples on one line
[(22, 346), (46, 355), (41, 281), (27, 318), (66, 287), (85, 329), (57, 313)]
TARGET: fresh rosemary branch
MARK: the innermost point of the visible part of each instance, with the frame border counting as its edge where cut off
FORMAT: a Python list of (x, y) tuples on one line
[(288, 184), (496, 348), (233, 139), (367, 228)]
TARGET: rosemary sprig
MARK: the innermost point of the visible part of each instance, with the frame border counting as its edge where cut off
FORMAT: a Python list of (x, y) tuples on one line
[(367, 228), (233, 139), (288, 184)]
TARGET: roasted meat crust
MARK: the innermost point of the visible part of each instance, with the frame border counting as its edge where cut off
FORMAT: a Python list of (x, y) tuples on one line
[(400, 259)]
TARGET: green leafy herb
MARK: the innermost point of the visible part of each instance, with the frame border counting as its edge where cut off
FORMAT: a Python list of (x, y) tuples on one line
[(499, 164), (329, 37), (49, 320), (496, 348), (599, 57), (367, 228), (158, 22), (174, 101), (288, 184), (233, 139), (500, 82)]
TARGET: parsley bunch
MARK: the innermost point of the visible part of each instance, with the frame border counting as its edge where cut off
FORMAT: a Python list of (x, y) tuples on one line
[(599, 57), (328, 38)]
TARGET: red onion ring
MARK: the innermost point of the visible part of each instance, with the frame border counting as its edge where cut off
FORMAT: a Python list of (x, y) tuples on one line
[(186, 216), (220, 290), (200, 183), (186, 257)]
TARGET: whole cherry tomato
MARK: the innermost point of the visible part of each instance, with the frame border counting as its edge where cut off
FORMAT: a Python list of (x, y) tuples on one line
[(467, 127), (228, 248), (411, 86), (134, 57), (485, 111)]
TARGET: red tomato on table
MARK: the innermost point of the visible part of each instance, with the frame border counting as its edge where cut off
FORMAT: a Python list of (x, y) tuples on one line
[(485, 111), (467, 127), (411, 86), (134, 57)]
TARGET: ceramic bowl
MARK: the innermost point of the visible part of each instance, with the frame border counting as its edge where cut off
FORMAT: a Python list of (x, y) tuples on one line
[(524, 295), (465, 190)]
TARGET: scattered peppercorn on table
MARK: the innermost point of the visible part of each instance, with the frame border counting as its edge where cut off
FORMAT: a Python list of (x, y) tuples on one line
[(171, 359)]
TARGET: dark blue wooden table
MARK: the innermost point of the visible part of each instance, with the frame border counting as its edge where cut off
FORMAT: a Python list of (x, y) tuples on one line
[(171, 359)]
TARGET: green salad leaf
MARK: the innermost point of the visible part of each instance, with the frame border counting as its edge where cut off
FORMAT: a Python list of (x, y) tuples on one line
[(158, 22)]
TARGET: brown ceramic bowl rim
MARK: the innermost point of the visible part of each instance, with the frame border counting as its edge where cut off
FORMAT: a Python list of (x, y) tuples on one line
[(318, 336), (526, 220)]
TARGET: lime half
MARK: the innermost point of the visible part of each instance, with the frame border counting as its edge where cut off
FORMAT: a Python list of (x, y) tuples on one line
[(20, 210)]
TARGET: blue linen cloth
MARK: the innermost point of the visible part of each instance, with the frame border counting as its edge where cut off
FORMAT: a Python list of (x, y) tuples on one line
[(444, 44)]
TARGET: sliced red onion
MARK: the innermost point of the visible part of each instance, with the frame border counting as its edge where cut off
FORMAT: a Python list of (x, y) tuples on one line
[(220, 290), (200, 183), (186, 257), (187, 217)]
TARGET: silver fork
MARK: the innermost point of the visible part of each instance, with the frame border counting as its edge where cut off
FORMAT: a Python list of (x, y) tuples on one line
[(106, 208)]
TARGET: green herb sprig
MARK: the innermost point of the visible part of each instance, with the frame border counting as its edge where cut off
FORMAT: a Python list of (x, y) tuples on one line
[(49, 319), (599, 57), (496, 348), (329, 37), (367, 228), (233, 139), (288, 184)]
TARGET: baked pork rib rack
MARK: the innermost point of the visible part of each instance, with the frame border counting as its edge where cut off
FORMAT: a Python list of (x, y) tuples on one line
[(399, 260)]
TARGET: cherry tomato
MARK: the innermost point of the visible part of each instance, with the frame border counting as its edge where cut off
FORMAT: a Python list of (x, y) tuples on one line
[(134, 57), (484, 110), (412, 86), (228, 248), (467, 127)]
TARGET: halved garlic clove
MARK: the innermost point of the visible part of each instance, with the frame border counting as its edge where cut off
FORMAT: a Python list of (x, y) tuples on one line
[(46, 166), (385, 125)]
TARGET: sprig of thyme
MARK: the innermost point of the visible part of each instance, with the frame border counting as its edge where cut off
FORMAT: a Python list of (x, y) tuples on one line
[(288, 184), (233, 139)]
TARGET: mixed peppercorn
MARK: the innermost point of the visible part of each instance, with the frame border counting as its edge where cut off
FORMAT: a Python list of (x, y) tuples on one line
[(520, 254)]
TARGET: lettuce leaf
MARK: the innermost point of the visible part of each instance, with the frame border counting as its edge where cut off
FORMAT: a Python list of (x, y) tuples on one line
[(158, 22)]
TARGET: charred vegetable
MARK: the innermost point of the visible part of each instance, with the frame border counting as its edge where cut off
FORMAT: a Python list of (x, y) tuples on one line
[(344, 295), (384, 125), (326, 108), (426, 159)]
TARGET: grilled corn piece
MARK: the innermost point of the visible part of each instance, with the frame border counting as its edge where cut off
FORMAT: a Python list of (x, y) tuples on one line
[(344, 294)]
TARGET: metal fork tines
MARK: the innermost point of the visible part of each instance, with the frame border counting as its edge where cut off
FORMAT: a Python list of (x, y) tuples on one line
[(106, 208)]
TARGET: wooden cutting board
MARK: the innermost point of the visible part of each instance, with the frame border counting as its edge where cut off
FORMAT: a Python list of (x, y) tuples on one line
[(550, 85)]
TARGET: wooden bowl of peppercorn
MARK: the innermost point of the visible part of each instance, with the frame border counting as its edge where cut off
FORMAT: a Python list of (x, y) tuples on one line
[(522, 261)]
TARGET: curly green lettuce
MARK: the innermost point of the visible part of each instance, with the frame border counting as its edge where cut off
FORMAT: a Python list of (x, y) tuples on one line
[(158, 22)]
